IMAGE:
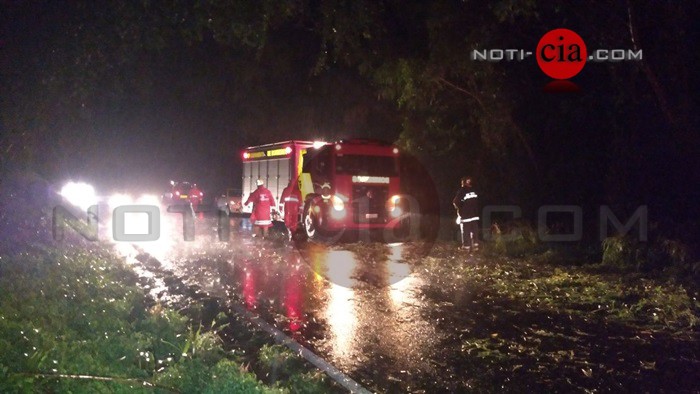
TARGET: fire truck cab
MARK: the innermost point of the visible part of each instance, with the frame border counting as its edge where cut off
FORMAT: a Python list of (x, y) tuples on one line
[(346, 185)]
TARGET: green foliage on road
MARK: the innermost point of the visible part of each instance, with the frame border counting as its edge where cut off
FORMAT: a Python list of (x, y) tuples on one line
[(626, 253), (77, 321), (592, 290), (540, 321)]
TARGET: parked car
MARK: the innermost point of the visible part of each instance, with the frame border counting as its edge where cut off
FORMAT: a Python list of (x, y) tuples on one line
[(183, 193), (230, 202)]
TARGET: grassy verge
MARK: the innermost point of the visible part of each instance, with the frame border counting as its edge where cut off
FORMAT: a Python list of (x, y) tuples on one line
[(75, 320)]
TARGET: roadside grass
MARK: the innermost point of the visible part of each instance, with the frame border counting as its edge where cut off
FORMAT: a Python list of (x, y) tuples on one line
[(536, 323), (76, 320), (278, 363)]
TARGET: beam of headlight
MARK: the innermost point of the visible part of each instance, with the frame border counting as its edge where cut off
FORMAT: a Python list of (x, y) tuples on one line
[(169, 231), (118, 200), (79, 194), (340, 312), (401, 282), (341, 316), (139, 223), (340, 265), (148, 199), (134, 222)]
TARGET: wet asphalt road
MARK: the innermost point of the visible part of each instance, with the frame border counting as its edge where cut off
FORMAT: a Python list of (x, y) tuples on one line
[(359, 306), (395, 326)]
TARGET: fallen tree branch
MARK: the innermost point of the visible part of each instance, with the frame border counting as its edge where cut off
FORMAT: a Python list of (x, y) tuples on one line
[(461, 89)]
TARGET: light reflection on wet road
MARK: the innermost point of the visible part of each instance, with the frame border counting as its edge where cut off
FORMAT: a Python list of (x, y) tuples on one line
[(357, 305)]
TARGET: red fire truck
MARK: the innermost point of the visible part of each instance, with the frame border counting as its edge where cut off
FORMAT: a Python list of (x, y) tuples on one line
[(345, 185)]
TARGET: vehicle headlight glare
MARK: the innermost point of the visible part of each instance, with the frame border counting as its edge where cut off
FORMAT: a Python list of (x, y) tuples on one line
[(338, 204), (118, 200), (79, 194)]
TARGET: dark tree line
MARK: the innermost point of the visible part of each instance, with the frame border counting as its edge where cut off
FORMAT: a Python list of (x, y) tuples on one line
[(266, 70)]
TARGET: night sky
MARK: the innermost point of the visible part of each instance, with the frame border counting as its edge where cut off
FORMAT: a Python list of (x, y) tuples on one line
[(128, 96)]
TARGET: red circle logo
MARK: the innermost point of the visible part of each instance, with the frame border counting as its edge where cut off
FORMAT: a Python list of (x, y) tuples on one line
[(561, 53)]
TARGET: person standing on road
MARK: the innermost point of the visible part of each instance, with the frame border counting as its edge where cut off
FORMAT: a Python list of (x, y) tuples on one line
[(467, 206), (262, 201), (291, 198)]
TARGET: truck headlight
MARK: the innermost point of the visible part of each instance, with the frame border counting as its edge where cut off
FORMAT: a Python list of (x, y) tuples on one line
[(394, 206), (338, 204)]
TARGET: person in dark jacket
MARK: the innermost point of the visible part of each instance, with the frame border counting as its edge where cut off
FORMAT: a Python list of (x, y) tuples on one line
[(467, 206)]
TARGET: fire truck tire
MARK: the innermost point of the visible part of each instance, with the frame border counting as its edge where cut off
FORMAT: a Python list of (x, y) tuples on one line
[(310, 227)]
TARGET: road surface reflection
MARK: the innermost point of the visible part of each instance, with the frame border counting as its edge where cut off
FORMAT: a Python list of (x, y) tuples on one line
[(357, 305)]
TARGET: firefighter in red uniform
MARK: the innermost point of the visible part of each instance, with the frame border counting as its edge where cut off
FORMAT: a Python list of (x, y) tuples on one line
[(195, 196), (262, 201), (291, 198)]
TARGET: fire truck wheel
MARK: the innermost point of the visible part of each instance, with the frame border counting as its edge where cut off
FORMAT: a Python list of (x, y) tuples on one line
[(310, 223)]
